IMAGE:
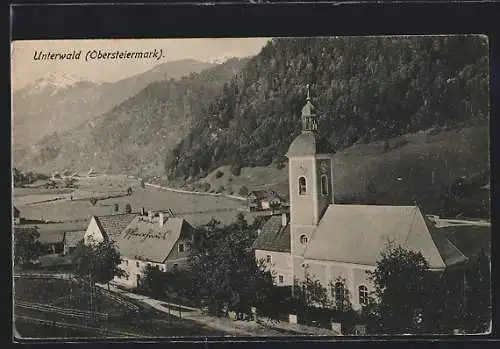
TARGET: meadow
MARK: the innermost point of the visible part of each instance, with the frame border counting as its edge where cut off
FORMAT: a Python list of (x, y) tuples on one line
[(200, 208)]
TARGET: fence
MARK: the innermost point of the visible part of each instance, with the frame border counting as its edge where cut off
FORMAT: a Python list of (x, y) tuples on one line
[(48, 275), (62, 311), (118, 299)]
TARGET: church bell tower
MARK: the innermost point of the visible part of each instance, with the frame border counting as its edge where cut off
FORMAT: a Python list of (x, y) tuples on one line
[(310, 174)]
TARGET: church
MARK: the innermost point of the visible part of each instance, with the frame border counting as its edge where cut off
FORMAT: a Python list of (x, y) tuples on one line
[(339, 244)]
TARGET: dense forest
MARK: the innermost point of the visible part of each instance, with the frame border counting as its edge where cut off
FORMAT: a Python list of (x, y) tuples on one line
[(365, 89)]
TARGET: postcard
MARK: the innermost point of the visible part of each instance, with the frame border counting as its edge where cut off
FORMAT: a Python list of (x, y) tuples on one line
[(251, 187)]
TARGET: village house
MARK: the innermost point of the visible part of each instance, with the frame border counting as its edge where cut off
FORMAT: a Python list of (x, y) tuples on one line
[(156, 240), (336, 244), (272, 248), (259, 200), (107, 227)]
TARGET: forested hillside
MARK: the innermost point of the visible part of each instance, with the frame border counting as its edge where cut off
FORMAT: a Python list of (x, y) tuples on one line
[(365, 89), (135, 135), (59, 102)]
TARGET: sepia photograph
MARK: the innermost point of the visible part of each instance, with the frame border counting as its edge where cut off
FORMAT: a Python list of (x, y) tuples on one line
[(251, 187)]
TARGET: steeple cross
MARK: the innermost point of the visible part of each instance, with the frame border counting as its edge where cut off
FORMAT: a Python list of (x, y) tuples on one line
[(308, 94)]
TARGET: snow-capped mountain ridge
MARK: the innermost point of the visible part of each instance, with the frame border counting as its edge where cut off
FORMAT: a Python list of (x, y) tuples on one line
[(55, 82), (221, 59)]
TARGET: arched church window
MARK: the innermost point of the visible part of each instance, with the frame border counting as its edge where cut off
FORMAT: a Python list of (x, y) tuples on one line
[(324, 185), (302, 185), (363, 295), (303, 239), (339, 293)]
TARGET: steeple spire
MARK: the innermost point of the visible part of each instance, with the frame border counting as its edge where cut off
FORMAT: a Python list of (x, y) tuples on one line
[(309, 121)]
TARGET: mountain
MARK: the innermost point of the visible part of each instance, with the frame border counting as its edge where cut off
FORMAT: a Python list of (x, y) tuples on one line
[(58, 102), (135, 134), (365, 88)]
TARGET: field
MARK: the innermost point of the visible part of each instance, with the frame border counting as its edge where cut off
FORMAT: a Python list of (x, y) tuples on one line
[(417, 166), (199, 208), (63, 299)]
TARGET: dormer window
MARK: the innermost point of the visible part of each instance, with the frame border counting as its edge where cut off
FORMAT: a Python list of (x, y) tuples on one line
[(324, 185), (302, 185)]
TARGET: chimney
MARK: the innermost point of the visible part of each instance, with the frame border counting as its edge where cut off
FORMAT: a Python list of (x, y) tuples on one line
[(284, 219), (161, 219), (143, 211), (150, 215)]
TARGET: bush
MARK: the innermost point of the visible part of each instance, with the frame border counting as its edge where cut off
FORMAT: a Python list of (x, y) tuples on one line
[(243, 191), (219, 174), (128, 208), (236, 170), (93, 201)]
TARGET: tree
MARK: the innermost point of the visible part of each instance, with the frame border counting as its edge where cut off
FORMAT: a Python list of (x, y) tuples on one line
[(236, 169), (97, 262), (401, 290), (129, 191), (128, 208), (477, 317), (93, 201), (116, 208), (243, 191), (27, 248), (225, 271)]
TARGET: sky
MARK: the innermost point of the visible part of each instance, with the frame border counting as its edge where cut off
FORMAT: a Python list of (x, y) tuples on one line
[(25, 69)]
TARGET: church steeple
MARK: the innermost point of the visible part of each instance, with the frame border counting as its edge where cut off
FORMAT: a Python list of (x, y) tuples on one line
[(309, 120)]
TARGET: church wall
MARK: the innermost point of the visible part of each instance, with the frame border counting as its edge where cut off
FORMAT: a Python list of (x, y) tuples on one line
[(353, 275), (297, 247)]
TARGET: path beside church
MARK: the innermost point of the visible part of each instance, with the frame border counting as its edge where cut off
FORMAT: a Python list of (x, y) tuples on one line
[(237, 328)]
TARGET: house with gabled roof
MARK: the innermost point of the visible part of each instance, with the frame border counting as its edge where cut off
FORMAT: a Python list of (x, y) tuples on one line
[(158, 240), (338, 244), (272, 249), (263, 200), (107, 227)]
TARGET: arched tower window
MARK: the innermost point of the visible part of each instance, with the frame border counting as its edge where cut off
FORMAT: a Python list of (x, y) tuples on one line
[(302, 185), (363, 295), (324, 185)]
